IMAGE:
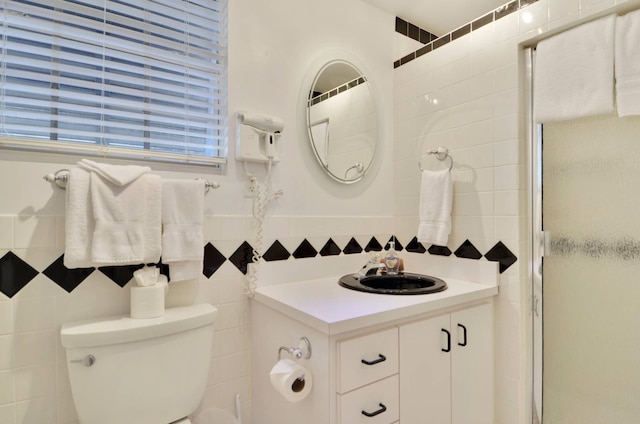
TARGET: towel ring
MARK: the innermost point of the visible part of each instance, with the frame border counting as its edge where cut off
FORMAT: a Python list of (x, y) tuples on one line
[(441, 154)]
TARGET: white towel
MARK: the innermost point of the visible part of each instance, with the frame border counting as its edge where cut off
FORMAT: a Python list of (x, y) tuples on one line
[(108, 224), (127, 221), (627, 53), (182, 239), (436, 198), (573, 75), (79, 224), (115, 174)]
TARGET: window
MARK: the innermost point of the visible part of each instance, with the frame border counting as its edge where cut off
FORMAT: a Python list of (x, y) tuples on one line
[(123, 78)]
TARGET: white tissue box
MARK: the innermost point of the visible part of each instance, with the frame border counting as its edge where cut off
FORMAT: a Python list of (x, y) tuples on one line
[(148, 302)]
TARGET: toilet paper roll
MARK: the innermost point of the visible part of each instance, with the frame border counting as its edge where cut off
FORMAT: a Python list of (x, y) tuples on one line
[(148, 302), (291, 380)]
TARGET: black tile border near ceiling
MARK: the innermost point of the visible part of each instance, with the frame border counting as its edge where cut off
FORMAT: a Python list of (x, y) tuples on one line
[(15, 273), (410, 30)]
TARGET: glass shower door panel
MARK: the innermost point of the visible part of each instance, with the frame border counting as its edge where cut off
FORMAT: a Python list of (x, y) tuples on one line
[(591, 276)]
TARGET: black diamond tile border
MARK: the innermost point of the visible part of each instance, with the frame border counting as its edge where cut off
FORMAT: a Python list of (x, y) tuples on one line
[(415, 246), (212, 260), (352, 247), (14, 274), (66, 278), (242, 257), (330, 248), (501, 254), (467, 251), (305, 250), (373, 246), (120, 275)]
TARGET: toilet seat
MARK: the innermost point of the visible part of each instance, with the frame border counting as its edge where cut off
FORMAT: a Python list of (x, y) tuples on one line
[(182, 421)]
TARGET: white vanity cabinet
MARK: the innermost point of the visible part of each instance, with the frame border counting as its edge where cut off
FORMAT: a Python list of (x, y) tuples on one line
[(368, 386), (446, 368)]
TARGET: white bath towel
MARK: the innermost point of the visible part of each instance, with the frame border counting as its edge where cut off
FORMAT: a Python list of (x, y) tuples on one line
[(436, 198), (573, 74), (627, 60), (182, 239), (115, 174), (79, 224), (127, 221)]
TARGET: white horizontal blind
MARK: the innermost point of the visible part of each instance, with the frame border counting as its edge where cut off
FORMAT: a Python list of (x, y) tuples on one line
[(128, 78)]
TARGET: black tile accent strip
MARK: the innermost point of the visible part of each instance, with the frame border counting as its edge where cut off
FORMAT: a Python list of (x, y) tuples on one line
[(120, 275), (373, 246), (415, 246), (439, 250), (276, 252), (212, 260), (352, 247), (402, 27), (14, 274), (468, 251), (305, 250), (242, 257), (66, 278), (317, 97), (500, 253), (330, 248), (464, 30), (414, 31)]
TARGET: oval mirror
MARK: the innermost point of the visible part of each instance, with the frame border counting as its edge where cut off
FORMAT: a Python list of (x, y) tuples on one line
[(342, 121)]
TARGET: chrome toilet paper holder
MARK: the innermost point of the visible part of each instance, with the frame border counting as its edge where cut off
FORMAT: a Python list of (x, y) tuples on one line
[(302, 351)]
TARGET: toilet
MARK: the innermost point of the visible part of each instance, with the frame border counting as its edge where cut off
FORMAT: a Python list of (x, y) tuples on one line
[(140, 371)]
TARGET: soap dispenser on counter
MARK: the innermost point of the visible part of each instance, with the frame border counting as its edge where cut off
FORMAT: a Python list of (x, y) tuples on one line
[(391, 260)]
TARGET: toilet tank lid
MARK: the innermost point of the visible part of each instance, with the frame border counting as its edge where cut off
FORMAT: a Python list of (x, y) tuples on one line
[(124, 329)]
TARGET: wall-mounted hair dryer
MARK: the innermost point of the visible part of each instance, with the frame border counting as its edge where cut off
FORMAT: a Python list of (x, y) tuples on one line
[(256, 137)]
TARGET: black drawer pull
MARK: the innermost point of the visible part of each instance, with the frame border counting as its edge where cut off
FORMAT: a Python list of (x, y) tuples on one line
[(448, 348), (464, 335), (374, 413), (381, 358)]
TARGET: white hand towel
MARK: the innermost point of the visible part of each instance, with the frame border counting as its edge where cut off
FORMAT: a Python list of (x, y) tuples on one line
[(436, 198), (115, 174), (127, 220), (573, 74), (627, 53), (79, 224), (182, 239)]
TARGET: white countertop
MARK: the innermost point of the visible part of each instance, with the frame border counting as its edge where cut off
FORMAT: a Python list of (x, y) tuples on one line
[(332, 309)]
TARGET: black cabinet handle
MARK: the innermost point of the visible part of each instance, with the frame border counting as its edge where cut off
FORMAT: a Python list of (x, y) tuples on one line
[(464, 335), (381, 358), (374, 413), (448, 348)]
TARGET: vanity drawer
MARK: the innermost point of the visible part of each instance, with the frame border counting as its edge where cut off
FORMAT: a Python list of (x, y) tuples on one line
[(379, 400), (366, 359)]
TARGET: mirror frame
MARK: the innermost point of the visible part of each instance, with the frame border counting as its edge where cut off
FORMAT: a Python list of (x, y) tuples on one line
[(320, 64)]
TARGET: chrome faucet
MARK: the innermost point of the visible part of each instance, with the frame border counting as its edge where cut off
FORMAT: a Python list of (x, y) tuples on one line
[(369, 266)]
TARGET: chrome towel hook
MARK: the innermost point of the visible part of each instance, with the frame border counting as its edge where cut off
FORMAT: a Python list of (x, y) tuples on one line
[(441, 153)]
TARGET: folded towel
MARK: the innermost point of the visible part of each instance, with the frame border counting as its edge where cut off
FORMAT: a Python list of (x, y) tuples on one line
[(115, 174), (627, 53), (436, 198), (573, 75), (79, 224), (182, 239), (127, 220)]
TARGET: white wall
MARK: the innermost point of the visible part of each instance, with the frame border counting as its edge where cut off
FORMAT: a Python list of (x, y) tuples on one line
[(468, 97), (272, 44)]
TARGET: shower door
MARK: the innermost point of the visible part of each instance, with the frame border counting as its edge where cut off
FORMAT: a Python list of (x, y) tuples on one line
[(590, 278)]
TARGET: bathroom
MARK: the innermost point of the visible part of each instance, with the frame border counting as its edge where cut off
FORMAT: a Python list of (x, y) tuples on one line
[(272, 46)]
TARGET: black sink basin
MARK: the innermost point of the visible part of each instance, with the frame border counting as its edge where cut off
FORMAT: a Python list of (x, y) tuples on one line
[(402, 283)]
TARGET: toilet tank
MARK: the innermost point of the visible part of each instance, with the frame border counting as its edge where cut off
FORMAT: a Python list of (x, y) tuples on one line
[(146, 371)]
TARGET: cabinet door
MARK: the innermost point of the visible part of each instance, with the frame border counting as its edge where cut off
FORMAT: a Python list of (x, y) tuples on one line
[(472, 365), (425, 378)]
